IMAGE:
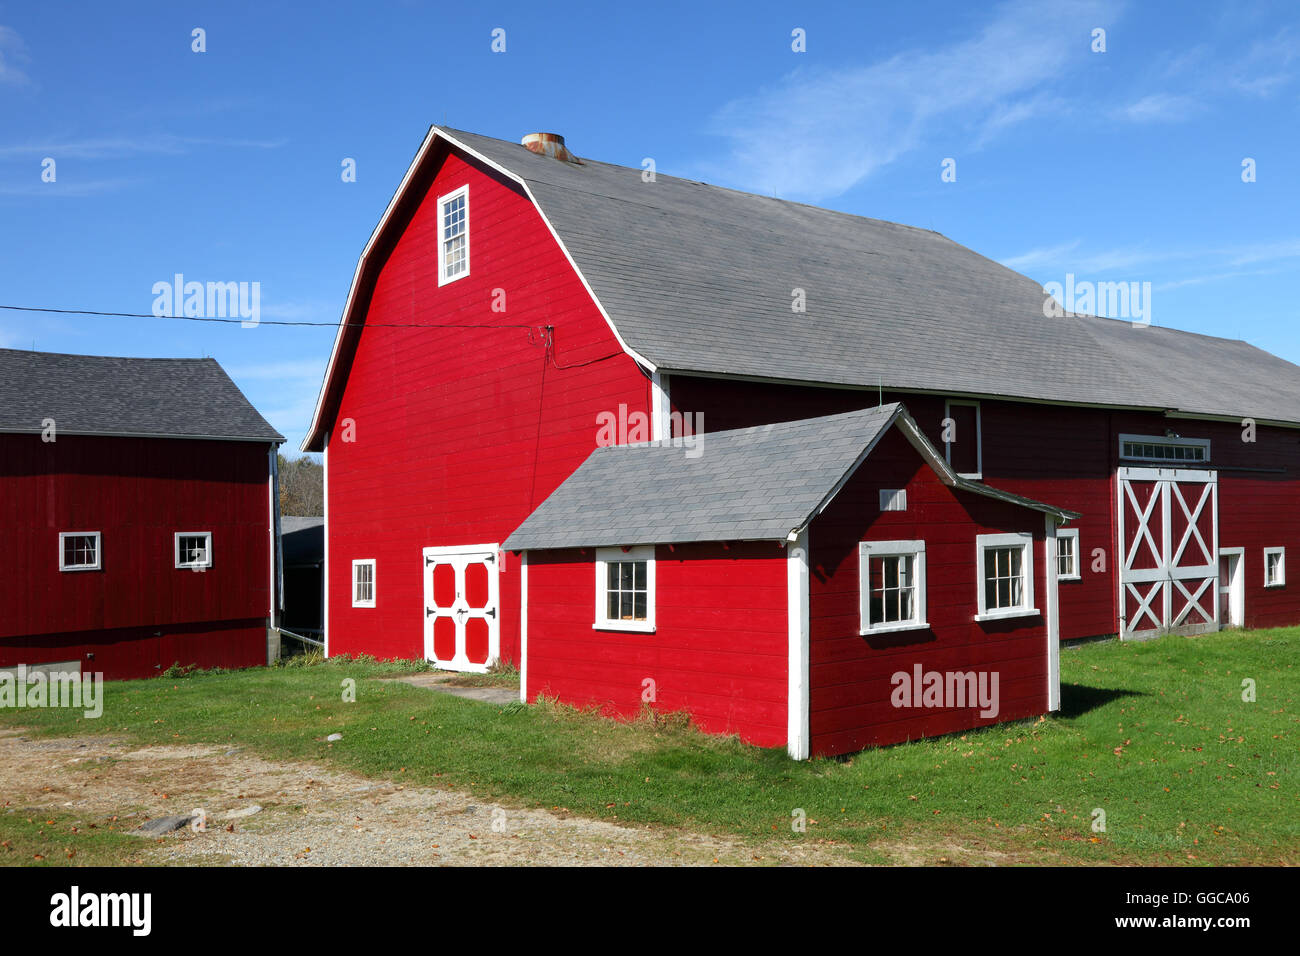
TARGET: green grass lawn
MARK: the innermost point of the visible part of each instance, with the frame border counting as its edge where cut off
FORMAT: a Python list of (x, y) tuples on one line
[(1155, 734)]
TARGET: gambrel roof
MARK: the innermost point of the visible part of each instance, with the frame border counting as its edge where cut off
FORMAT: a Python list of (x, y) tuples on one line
[(760, 483), (137, 397), (699, 279)]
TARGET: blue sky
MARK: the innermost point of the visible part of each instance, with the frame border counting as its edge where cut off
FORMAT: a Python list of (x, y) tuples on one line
[(225, 165)]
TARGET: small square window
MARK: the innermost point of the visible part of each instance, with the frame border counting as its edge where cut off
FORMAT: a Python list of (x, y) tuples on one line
[(79, 551), (625, 589), (1067, 554), (363, 583), (891, 586), (1274, 567), (1005, 564), (193, 549)]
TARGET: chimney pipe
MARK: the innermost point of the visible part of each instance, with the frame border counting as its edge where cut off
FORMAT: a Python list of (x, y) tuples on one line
[(549, 144)]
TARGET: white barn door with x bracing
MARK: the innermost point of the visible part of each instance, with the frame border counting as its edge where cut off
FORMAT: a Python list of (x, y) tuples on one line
[(1169, 548)]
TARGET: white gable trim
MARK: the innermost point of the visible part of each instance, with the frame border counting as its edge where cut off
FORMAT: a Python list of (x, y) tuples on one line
[(430, 138)]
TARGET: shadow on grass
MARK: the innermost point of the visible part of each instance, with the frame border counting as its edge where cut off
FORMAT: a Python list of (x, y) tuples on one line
[(1078, 699)]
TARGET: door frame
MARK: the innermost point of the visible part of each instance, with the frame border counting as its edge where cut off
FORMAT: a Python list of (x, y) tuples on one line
[(1235, 586), (491, 557), (1166, 481)]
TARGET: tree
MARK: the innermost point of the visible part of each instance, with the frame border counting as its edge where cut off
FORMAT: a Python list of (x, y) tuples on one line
[(302, 486)]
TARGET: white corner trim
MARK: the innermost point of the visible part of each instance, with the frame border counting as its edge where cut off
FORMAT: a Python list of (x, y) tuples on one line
[(798, 742), (325, 560), (661, 407), (1052, 602), (523, 627)]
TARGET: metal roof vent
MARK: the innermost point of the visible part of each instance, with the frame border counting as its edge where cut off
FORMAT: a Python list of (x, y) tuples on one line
[(549, 144)]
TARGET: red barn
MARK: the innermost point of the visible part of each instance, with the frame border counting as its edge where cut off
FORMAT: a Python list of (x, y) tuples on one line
[(137, 511), (518, 306)]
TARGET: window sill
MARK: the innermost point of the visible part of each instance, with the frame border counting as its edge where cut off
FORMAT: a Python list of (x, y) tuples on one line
[(363, 604), (1007, 613), (1069, 577), (895, 628), (1272, 587), (634, 627)]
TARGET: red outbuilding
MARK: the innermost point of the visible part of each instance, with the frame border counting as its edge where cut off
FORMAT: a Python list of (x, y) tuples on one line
[(518, 307), (137, 515)]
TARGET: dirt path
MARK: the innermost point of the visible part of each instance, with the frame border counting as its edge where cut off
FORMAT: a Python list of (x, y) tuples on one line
[(312, 815)]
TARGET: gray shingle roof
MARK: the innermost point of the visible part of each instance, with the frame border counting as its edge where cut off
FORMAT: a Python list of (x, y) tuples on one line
[(146, 397), (750, 483), (699, 278)]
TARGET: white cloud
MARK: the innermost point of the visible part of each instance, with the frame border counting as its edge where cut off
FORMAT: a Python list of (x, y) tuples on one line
[(819, 132), (1161, 108), (12, 53), (117, 147)]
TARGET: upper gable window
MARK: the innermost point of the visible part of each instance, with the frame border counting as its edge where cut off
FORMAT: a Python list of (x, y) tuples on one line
[(453, 232), (962, 441)]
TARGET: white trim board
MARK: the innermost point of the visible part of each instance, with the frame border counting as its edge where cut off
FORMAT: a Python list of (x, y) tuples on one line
[(798, 739)]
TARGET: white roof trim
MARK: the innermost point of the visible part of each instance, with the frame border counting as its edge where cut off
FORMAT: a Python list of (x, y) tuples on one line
[(434, 134)]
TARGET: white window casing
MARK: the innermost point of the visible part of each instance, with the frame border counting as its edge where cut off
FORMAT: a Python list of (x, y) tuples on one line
[(990, 550), (453, 235), (1067, 544), (1164, 449), (192, 550), (1274, 567), (901, 604), (978, 473), (80, 551), (363, 583), (893, 499), (631, 582)]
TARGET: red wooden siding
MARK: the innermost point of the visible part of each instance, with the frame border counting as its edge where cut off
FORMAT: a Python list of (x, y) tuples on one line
[(719, 651), (1067, 456), (137, 493), (460, 433), (849, 674)]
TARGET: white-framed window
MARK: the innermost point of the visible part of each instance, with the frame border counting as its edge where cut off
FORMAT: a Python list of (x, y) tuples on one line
[(1067, 554), (891, 586), (625, 589), (963, 444), (893, 499), (453, 235), (80, 551), (193, 549), (1274, 567), (1164, 449), (363, 583), (1005, 569)]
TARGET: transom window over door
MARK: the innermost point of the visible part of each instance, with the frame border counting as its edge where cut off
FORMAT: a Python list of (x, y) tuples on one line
[(1005, 566), (453, 235), (891, 585), (625, 589)]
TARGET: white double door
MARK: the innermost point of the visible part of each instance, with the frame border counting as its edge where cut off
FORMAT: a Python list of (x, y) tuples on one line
[(1169, 551), (462, 617)]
